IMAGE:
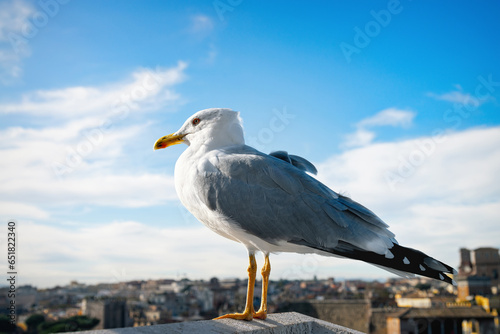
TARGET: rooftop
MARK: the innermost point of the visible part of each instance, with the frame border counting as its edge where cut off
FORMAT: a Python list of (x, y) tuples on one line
[(449, 312)]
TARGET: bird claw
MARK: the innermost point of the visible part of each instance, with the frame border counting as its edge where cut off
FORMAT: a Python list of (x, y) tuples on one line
[(237, 316), (260, 314)]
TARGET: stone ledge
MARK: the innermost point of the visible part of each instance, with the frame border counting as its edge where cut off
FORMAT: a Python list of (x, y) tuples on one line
[(278, 323)]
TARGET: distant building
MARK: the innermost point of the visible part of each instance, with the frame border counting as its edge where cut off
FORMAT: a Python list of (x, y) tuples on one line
[(487, 264), (465, 268), (468, 286), (478, 272), (112, 313), (413, 300), (354, 314), (26, 297), (442, 320)]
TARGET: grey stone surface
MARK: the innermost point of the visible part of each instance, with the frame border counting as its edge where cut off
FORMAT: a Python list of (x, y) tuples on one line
[(279, 323)]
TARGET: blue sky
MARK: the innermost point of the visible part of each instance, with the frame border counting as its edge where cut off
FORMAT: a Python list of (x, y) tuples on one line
[(396, 102)]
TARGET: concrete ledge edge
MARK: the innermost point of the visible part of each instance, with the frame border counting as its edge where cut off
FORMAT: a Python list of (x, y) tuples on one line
[(277, 323)]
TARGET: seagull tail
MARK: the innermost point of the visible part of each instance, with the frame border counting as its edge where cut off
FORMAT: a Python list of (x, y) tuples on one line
[(404, 259), (398, 259)]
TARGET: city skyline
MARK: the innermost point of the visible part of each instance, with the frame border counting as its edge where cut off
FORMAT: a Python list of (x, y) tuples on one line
[(145, 303), (396, 104)]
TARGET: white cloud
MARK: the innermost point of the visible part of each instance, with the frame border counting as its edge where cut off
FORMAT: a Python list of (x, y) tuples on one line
[(14, 19), (146, 89), (131, 249), (390, 116), (459, 97), (433, 191), (361, 137), (11, 209), (78, 162), (50, 173), (387, 117), (14, 15)]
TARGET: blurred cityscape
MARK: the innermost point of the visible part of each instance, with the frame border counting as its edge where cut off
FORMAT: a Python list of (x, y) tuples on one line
[(417, 305)]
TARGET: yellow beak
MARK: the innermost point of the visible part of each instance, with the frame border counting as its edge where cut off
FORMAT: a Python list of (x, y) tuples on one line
[(166, 141)]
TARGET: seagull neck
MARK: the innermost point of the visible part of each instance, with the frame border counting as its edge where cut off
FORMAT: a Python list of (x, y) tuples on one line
[(202, 148), (218, 139)]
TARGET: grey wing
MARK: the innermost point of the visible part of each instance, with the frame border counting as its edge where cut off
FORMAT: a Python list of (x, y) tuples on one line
[(277, 202)]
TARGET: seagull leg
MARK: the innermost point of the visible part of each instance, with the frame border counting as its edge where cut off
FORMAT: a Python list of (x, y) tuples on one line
[(249, 310), (266, 270)]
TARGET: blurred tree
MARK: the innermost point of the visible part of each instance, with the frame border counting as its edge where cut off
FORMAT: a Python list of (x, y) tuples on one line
[(33, 321), (72, 324), (5, 325)]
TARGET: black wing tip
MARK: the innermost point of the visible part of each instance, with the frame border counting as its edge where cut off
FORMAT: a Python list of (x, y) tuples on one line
[(399, 259), (419, 263)]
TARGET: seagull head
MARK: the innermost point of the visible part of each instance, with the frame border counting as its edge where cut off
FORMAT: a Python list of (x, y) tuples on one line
[(212, 128)]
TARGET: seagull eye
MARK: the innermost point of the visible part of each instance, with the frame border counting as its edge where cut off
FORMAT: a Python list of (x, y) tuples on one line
[(195, 121)]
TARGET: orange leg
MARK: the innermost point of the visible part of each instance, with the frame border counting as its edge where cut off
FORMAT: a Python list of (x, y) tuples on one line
[(249, 310), (266, 270)]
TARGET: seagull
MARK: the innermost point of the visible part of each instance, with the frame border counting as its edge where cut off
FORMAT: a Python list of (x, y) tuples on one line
[(270, 203)]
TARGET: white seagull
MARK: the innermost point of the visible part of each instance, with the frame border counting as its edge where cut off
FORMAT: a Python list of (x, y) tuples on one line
[(269, 203)]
